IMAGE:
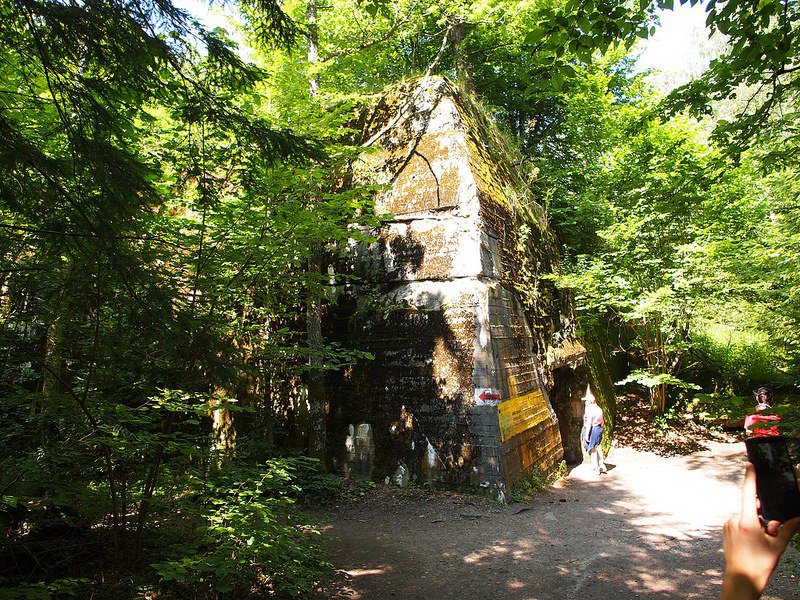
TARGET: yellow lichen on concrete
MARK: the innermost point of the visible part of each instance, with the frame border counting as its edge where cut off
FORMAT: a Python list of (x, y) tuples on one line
[(446, 369), (569, 351), (427, 250), (426, 175), (522, 413)]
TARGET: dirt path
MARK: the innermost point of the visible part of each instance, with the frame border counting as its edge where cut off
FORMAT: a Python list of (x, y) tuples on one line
[(648, 529)]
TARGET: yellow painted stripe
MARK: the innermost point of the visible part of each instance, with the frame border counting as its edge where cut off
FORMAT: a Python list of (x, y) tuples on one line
[(521, 413)]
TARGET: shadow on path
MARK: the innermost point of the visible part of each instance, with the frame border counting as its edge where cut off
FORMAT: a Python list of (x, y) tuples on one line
[(648, 529)]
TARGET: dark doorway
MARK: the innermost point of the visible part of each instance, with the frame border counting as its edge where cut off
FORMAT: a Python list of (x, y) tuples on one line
[(568, 389)]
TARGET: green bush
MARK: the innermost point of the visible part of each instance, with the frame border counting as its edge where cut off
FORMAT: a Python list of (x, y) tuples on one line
[(248, 533), (60, 588), (220, 526), (737, 360)]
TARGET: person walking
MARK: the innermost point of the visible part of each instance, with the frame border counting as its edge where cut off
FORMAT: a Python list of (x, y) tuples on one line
[(592, 432), (756, 425)]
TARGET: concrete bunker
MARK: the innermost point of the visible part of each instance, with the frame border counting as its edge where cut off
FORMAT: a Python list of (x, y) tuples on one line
[(450, 302)]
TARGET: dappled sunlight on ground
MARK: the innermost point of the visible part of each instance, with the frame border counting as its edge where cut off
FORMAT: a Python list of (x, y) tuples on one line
[(362, 572), (650, 528), (638, 428)]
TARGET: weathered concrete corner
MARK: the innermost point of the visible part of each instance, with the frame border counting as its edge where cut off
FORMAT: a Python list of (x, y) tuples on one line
[(450, 303)]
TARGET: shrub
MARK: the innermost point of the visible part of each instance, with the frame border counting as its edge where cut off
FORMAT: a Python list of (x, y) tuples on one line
[(737, 360), (536, 481), (248, 535)]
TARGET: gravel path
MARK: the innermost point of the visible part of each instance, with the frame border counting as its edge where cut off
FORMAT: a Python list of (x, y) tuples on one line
[(648, 529)]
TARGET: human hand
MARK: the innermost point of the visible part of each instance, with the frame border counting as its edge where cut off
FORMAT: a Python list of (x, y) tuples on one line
[(751, 552)]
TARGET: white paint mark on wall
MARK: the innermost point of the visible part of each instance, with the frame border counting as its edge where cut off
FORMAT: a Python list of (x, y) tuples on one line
[(431, 456)]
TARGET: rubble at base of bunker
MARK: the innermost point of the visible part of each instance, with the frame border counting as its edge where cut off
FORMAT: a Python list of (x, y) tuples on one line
[(449, 300)]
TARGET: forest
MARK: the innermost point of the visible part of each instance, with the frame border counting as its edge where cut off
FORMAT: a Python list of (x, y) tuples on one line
[(171, 195)]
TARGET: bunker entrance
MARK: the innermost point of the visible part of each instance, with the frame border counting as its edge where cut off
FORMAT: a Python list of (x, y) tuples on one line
[(568, 389)]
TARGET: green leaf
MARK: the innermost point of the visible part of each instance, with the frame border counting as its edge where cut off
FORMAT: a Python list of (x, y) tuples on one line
[(534, 36)]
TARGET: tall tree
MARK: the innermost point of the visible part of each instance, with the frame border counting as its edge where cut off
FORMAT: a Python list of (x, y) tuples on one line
[(316, 373), (108, 262)]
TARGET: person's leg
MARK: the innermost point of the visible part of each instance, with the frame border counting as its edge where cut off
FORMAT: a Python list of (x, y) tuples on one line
[(595, 459), (601, 463)]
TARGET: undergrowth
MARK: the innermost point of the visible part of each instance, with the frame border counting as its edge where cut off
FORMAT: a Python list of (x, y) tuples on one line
[(536, 481)]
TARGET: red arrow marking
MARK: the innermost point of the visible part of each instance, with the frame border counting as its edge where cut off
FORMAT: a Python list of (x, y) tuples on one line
[(484, 396)]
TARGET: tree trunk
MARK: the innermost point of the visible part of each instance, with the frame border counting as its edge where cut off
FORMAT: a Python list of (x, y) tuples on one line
[(267, 413), (316, 374), (458, 32), (658, 397), (312, 38), (596, 342), (224, 432), (52, 375)]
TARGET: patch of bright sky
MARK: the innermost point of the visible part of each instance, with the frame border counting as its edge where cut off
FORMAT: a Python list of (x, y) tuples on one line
[(216, 14), (680, 50), (209, 15)]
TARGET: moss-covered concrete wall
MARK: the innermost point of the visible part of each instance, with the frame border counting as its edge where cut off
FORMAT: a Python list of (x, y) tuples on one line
[(450, 302)]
